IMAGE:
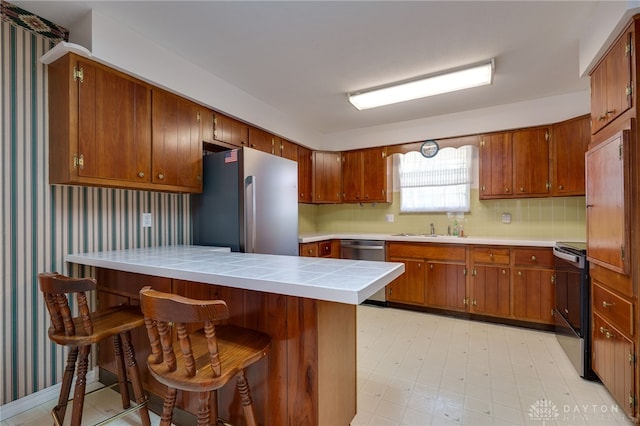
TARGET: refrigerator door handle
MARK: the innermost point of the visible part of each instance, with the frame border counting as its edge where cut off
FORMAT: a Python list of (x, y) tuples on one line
[(250, 222)]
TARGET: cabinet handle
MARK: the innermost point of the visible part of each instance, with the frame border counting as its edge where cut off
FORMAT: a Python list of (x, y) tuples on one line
[(602, 117), (519, 272), (613, 111), (474, 302), (506, 189), (521, 189), (160, 176), (431, 266), (504, 272), (310, 251), (533, 258), (605, 304), (491, 255), (141, 174), (560, 187)]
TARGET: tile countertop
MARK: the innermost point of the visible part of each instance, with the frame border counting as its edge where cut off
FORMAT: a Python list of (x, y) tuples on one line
[(334, 280), (494, 241)]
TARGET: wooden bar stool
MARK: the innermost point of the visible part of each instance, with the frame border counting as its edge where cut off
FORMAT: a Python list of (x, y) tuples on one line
[(81, 332), (205, 360)]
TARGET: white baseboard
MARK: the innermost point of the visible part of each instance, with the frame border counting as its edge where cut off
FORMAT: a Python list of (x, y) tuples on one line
[(32, 400)]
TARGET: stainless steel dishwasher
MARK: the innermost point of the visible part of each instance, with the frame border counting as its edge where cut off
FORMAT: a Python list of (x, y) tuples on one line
[(366, 250)]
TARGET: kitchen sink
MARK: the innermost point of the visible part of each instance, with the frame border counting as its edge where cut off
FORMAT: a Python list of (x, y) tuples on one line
[(406, 234)]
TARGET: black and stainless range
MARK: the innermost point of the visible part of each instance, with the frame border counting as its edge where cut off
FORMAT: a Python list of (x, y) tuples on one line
[(572, 305)]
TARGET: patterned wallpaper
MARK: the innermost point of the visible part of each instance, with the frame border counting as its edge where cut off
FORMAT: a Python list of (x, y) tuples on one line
[(40, 223)]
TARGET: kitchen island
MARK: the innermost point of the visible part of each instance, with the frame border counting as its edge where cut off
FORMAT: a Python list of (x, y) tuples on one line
[(306, 305)]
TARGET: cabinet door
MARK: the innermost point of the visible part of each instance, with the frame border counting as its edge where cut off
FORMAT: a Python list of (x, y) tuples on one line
[(114, 126), (408, 287), (231, 131), (327, 177), (496, 165), (374, 178), (352, 172), (613, 361), (261, 140), (287, 149), (569, 142), (607, 212), (177, 143), (611, 93), (490, 291), (531, 162), (305, 172), (446, 286), (533, 295)]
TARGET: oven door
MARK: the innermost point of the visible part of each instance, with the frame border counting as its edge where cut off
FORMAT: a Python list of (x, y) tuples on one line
[(570, 295)]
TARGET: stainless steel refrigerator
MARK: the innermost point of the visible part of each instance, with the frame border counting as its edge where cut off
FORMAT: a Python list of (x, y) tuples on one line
[(249, 203)]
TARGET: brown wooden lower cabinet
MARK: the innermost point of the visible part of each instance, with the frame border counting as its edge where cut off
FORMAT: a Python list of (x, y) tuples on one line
[(490, 290), (510, 283), (308, 378), (533, 295), (613, 361)]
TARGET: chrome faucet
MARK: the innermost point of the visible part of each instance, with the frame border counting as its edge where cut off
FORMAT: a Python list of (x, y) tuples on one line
[(433, 229)]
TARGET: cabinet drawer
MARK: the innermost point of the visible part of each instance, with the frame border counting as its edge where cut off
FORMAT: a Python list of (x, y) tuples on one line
[(613, 280), (428, 251), (542, 257), (309, 249), (324, 248), (491, 255), (613, 307)]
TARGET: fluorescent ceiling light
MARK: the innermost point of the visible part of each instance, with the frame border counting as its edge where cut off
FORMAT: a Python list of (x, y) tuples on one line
[(474, 75)]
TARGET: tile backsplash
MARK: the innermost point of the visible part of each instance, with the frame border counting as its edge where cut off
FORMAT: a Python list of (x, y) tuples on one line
[(559, 218)]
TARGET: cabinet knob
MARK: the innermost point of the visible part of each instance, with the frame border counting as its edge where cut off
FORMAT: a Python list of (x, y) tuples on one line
[(521, 189), (141, 174), (302, 195), (533, 258), (504, 272), (506, 189), (605, 304), (431, 266), (560, 187), (491, 255), (160, 176), (613, 111), (520, 273)]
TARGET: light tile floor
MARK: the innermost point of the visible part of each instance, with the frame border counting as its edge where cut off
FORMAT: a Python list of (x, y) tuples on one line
[(417, 369), (423, 369)]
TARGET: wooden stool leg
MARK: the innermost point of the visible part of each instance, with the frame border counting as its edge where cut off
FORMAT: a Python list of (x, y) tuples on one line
[(122, 372), (214, 408), (245, 399), (81, 384), (70, 369), (136, 379), (167, 407), (203, 409)]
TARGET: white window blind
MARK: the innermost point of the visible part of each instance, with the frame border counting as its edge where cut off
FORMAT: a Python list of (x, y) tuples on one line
[(438, 184)]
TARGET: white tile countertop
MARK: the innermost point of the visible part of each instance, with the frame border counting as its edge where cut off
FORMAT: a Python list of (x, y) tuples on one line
[(421, 238), (335, 280)]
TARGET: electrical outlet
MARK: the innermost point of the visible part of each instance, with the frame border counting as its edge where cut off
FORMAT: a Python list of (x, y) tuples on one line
[(389, 217), (146, 220), (506, 217)]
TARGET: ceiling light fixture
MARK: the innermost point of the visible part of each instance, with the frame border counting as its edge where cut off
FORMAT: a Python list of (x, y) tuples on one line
[(478, 74)]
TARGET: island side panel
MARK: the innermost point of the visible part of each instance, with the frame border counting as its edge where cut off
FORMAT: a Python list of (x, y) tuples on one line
[(337, 356)]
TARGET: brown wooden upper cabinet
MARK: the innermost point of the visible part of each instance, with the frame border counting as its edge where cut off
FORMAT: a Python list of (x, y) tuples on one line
[(495, 156), (364, 176), (176, 141), (515, 164), (99, 125), (261, 140), (286, 149), (608, 200), (611, 85), (100, 131), (569, 142), (305, 175), (222, 128), (327, 177)]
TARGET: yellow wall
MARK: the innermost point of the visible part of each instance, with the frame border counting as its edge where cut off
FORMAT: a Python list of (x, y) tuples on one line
[(560, 218)]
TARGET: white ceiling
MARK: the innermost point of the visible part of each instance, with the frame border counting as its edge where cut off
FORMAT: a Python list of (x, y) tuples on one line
[(301, 57)]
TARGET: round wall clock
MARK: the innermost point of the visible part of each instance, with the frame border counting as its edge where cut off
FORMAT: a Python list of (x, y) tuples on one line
[(429, 148)]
